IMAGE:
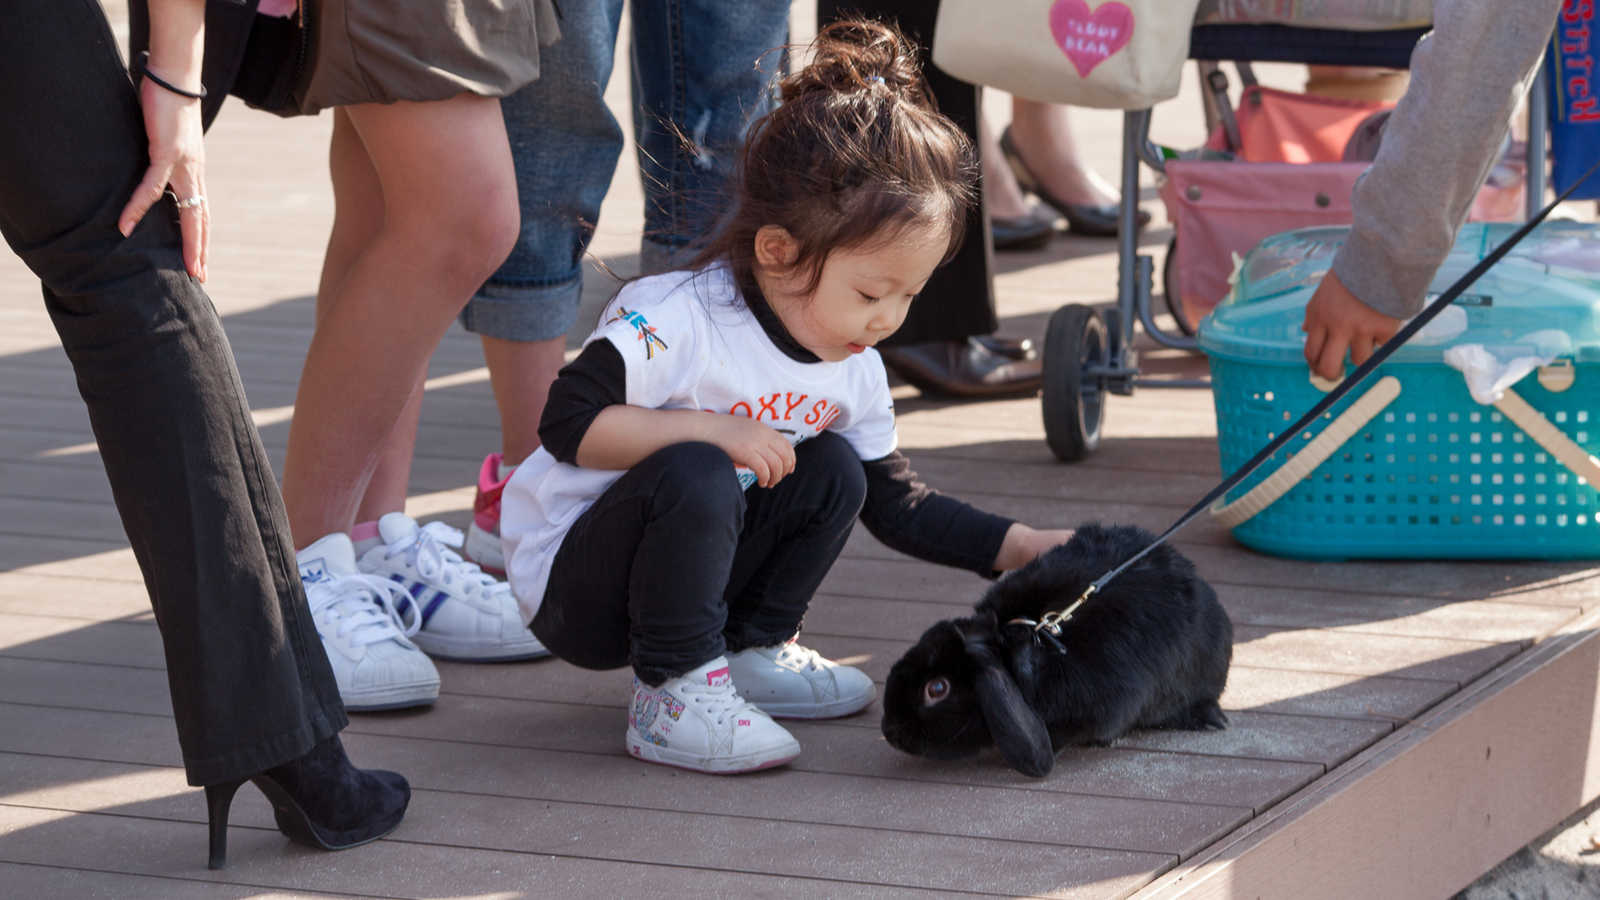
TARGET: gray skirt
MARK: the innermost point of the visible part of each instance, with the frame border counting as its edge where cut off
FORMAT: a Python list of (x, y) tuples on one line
[(380, 51)]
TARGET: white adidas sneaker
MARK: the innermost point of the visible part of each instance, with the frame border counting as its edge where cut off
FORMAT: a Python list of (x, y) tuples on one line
[(374, 664), (698, 721), (795, 682), (467, 615)]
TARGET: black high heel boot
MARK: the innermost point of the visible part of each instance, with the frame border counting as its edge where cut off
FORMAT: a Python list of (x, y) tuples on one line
[(319, 799)]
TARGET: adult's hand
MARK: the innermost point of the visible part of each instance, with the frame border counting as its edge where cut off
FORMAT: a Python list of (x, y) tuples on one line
[(1336, 322), (172, 125)]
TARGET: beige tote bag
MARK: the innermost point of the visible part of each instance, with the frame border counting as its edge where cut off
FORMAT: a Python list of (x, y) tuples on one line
[(1111, 54)]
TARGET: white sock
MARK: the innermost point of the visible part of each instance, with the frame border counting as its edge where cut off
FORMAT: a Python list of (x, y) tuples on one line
[(504, 471)]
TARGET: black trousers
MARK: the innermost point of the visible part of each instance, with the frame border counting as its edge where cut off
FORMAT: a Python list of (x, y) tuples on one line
[(675, 565), (958, 301), (251, 684)]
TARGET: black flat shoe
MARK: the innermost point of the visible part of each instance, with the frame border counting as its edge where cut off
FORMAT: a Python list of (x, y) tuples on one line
[(1087, 219), (962, 369), (319, 799), (1021, 233), (1011, 348)]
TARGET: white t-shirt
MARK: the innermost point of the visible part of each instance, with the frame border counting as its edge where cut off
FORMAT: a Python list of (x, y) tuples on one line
[(690, 342)]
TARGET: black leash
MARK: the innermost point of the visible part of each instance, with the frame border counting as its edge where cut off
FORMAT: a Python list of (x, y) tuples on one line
[(1051, 622)]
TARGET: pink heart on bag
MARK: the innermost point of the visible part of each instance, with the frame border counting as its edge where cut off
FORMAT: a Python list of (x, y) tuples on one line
[(1088, 38)]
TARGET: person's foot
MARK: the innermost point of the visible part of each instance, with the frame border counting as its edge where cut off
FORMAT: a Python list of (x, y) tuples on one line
[(483, 535), (1093, 210), (375, 664), (698, 721), (791, 681), (962, 369), (467, 616), (1029, 232), (319, 799)]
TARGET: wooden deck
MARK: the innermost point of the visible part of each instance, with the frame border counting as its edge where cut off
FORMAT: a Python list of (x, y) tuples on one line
[(1397, 728)]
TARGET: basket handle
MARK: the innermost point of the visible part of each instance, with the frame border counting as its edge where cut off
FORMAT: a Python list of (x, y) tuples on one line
[(1546, 435), (1352, 420)]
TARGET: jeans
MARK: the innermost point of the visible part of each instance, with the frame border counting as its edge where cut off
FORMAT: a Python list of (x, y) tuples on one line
[(251, 685), (696, 85), (674, 565)]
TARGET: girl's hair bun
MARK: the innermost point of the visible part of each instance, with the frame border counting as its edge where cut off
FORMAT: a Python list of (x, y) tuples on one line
[(856, 151), (861, 55)]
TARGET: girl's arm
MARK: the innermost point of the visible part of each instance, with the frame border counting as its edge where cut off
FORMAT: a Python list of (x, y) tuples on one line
[(904, 514), (587, 422), (621, 436)]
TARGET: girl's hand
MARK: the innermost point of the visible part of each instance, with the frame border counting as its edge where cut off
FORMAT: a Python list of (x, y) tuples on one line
[(1023, 544), (177, 158), (751, 444)]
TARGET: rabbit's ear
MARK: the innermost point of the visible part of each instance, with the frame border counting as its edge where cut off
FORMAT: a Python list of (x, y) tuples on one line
[(1018, 731)]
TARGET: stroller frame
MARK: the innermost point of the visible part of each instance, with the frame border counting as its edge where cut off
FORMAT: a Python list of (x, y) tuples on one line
[(1088, 353)]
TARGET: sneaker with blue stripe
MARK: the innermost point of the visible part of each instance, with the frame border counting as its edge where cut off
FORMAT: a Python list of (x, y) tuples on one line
[(467, 615), (375, 664)]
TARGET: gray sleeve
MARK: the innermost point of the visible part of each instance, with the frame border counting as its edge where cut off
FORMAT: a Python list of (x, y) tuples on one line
[(1466, 79)]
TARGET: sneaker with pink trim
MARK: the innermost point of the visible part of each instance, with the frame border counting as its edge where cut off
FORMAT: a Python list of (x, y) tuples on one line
[(698, 721), (483, 536)]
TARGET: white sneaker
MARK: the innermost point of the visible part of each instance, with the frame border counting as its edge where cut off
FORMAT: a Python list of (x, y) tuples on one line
[(467, 616), (698, 721), (374, 664), (795, 682)]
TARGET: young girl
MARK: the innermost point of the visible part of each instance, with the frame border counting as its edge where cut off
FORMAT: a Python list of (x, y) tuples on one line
[(704, 458)]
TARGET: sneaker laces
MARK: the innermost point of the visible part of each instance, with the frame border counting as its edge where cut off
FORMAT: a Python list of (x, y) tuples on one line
[(427, 551), (364, 607), (805, 657), (718, 701)]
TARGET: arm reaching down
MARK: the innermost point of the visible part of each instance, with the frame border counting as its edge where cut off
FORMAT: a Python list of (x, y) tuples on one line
[(1467, 77)]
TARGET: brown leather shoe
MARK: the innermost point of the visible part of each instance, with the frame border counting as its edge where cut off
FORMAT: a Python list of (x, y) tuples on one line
[(962, 369)]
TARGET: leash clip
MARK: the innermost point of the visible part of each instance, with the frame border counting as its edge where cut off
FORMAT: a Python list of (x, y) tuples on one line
[(1048, 626)]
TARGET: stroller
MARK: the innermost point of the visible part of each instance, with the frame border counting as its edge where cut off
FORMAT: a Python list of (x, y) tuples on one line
[(1088, 353)]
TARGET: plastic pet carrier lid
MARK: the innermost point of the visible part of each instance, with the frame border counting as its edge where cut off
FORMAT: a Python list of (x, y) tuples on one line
[(1540, 300)]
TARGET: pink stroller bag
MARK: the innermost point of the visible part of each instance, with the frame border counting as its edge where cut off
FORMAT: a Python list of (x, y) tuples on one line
[(1288, 174)]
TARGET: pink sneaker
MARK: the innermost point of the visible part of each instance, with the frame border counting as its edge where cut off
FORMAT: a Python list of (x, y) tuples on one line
[(483, 537)]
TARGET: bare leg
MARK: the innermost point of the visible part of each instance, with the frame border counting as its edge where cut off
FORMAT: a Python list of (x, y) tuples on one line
[(521, 372), (358, 217), (1043, 137), (449, 219), (386, 490), (1000, 188)]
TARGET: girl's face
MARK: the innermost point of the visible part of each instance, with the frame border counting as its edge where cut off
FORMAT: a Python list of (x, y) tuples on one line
[(863, 293)]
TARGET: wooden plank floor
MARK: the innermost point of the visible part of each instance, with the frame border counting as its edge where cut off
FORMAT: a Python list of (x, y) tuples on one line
[(522, 788)]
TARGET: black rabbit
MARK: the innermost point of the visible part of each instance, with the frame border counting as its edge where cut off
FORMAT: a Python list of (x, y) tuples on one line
[(1151, 650)]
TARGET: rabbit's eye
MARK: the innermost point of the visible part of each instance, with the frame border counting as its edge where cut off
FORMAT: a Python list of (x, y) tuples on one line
[(935, 690)]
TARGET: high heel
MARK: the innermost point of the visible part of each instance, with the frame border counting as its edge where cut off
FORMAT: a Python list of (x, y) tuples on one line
[(319, 799), (218, 798), (1082, 218)]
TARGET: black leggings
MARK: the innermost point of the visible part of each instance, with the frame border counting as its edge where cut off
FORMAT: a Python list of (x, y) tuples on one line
[(674, 565)]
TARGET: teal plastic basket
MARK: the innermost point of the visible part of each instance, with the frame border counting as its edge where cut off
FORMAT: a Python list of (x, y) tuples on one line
[(1435, 474)]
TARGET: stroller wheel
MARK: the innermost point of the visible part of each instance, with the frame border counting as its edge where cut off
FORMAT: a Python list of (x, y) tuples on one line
[(1073, 399), (1171, 291)]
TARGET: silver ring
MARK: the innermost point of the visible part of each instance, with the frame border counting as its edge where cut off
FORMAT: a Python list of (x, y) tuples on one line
[(194, 202)]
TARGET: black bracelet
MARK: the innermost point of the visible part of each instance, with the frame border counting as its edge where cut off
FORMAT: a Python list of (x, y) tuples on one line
[(144, 59)]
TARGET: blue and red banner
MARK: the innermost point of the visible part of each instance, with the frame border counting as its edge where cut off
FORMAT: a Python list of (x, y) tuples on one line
[(1574, 98)]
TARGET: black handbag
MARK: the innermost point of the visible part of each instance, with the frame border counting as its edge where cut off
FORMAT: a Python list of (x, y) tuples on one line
[(277, 62)]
